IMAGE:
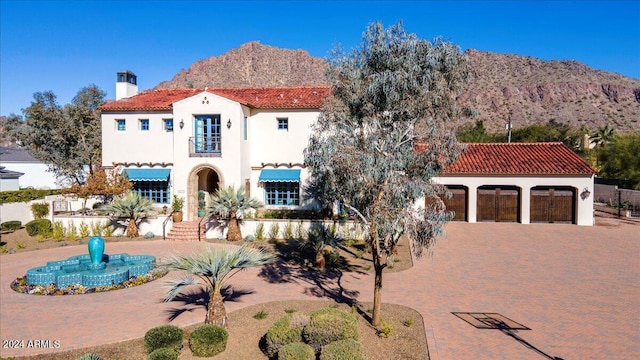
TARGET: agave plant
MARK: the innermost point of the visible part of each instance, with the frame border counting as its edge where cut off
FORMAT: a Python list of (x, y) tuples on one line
[(230, 204), (131, 206), (211, 269)]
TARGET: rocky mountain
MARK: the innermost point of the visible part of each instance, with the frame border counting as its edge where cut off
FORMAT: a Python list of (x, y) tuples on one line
[(526, 89)]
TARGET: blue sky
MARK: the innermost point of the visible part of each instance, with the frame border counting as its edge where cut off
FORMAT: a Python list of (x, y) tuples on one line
[(63, 46)]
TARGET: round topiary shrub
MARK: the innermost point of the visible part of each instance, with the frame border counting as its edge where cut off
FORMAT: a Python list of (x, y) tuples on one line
[(296, 351), (343, 349), (286, 330), (165, 336), (90, 356), (149, 235), (163, 354), (208, 340), (12, 225), (38, 227), (328, 325)]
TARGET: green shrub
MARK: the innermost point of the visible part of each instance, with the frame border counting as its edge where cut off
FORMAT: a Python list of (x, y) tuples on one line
[(40, 210), (328, 325), (296, 351), (287, 231), (90, 356), (108, 230), (72, 231), (163, 354), (12, 225), (96, 228), (301, 232), (260, 231), (149, 235), (274, 231), (165, 336), (26, 195), (385, 330), (260, 315), (58, 231), (38, 227), (83, 229), (291, 214), (343, 349), (208, 340), (286, 330)]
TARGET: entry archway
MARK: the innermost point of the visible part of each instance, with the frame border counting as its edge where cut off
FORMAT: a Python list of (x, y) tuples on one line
[(204, 179)]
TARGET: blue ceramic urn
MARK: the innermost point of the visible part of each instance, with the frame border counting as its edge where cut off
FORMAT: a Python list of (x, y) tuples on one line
[(96, 249)]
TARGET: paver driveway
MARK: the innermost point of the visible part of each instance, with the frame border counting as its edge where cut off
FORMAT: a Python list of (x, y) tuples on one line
[(576, 288)]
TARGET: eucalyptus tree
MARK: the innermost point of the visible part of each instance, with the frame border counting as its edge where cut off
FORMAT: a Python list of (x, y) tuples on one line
[(68, 138), (382, 135), (132, 207), (231, 203), (211, 269)]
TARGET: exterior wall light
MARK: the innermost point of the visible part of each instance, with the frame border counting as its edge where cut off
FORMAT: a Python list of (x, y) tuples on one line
[(229, 124), (585, 194), (181, 124)]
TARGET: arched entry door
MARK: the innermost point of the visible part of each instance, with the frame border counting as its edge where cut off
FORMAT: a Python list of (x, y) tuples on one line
[(204, 180)]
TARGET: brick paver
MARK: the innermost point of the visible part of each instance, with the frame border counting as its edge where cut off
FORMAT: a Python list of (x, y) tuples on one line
[(576, 288)]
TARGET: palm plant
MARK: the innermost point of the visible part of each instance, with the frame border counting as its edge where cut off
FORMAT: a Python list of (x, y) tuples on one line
[(231, 204), (131, 206), (211, 269), (604, 135)]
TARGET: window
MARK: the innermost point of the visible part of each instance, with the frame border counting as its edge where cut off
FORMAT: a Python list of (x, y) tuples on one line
[(144, 124), (121, 125), (168, 125), (207, 131), (283, 124), (157, 191), (282, 193)]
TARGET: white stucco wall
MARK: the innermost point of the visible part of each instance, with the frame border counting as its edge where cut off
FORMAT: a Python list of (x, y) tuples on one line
[(269, 145), (134, 145), (36, 175), (9, 184), (584, 208)]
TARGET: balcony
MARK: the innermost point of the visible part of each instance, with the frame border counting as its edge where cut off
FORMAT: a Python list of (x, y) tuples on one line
[(205, 146)]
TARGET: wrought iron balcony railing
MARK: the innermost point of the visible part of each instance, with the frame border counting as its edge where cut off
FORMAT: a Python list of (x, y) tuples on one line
[(205, 146)]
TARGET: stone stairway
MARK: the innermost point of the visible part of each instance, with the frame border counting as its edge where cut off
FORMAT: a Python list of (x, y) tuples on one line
[(186, 231)]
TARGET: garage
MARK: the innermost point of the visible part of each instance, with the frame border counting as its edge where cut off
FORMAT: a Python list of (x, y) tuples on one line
[(457, 202), (498, 203), (553, 205)]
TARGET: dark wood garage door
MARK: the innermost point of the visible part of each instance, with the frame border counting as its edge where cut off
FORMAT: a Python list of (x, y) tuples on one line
[(553, 205), (500, 204), (457, 202)]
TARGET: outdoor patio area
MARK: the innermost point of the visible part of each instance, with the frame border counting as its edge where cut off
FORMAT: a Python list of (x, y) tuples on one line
[(489, 291)]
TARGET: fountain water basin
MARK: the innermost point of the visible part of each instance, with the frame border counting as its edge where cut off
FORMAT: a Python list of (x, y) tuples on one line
[(112, 270)]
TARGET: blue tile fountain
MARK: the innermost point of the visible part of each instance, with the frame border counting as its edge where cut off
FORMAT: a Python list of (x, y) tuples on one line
[(93, 269)]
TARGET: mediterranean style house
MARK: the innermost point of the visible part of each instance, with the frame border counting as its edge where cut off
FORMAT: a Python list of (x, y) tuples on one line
[(185, 142)]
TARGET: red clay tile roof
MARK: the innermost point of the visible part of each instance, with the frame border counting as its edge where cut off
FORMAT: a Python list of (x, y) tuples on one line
[(519, 159), (300, 97)]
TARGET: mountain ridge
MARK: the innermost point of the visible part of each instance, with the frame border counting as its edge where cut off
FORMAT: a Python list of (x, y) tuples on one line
[(525, 89)]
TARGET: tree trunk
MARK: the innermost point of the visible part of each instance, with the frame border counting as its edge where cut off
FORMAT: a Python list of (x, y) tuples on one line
[(132, 229), (377, 290), (321, 262), (216, 313), (233, 233)]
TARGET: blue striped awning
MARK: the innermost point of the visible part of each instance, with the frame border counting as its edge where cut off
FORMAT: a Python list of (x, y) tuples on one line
[(147, 174), (279, 175)]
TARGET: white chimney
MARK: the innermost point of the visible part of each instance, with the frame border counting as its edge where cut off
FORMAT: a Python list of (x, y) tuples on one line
[(126, 84)]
